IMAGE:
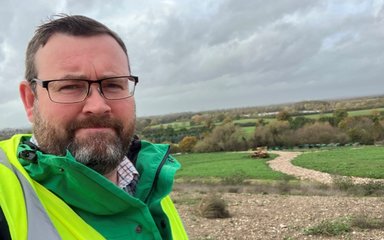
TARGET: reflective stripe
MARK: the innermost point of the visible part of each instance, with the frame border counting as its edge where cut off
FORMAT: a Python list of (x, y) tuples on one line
[(2, 159), (177, 228), (39, 224)]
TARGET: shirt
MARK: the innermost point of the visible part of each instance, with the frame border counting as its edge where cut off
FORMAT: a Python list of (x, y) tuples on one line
[(127, 176)]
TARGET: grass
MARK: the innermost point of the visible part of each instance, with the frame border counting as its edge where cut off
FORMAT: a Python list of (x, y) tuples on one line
[(244, 174), (344, 225), (364, 221), (249, 131), (246, 120), (232, 167), (367, 161), (174, 125), (364, 112), (330, 227)]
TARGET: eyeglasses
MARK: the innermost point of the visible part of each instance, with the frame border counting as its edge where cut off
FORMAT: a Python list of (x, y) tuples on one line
[(77, 90)]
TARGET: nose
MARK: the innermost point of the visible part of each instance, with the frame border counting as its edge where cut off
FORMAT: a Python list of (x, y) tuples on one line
[(95, 103)]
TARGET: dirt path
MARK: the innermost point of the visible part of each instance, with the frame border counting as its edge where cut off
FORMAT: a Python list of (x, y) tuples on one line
[(283, 164)]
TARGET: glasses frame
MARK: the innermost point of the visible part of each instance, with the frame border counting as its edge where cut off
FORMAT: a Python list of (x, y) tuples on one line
[(45, 83)]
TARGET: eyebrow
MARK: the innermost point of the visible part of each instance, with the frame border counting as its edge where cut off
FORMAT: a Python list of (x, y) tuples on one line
[(84, 77), (74, 76)]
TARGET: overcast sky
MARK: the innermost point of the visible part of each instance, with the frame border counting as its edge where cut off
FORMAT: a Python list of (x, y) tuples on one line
[(205, 55)]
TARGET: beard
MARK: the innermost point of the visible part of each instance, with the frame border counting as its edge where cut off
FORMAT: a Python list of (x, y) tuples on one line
[(102, 151)]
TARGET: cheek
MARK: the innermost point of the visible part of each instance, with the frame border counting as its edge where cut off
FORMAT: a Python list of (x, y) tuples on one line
[(58, 114), (125, 111)]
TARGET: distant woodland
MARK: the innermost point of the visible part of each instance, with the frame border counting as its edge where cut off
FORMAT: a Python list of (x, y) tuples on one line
[(303, 124)]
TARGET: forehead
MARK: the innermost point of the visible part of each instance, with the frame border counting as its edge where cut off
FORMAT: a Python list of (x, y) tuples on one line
[(81, 54)]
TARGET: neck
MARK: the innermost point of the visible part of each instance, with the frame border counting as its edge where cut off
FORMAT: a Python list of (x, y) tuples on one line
[(112, 176)]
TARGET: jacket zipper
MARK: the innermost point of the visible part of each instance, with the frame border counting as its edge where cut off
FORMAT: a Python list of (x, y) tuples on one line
[(157, 174)]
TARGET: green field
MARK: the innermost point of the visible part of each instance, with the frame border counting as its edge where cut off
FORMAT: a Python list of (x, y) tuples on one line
[(367, 161), (364, 112), (174, 125), (249, 131), (246, 120), (222, 165)]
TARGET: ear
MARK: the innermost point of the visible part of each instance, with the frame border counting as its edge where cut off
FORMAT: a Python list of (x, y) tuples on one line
[(28, 98)]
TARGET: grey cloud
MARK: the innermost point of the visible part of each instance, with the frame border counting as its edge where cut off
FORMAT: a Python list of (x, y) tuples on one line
[(194, 56)]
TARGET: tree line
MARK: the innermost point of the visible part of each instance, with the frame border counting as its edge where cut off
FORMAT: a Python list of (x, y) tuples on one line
[(285, 131)]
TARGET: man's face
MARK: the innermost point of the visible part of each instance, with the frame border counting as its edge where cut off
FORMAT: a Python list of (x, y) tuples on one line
[(96, 131)]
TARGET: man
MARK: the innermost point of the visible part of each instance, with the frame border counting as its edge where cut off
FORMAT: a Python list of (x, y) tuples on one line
[(82, 175)]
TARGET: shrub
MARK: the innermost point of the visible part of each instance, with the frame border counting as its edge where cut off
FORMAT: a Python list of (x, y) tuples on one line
[(300, 121), (212, 206), (236, 178), (187, 143), (373, 188), (262, 137), (227, 137), (320, 133), (366, 222), (330, 228), (359, 129), (342, 183)]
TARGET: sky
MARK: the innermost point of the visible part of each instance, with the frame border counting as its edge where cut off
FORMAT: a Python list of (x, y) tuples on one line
[(204, 55)]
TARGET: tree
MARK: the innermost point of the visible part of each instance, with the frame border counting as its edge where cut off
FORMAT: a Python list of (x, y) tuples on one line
[(197, 119), (320, 133), (359, 129), (187, 143), (261, 122), (283, 116), (262, 137), (281, 133), (340, 115), (227, 137), (299, 122)]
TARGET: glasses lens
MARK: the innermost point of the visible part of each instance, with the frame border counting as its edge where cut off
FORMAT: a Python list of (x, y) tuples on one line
[(118, 88), (68, 91)]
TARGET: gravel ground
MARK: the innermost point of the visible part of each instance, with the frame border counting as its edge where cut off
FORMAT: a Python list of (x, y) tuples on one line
[(273, 216), (256, 216)]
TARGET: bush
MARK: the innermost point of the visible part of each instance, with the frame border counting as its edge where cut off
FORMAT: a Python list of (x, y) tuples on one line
[(330, 228), (212, 206), (373, 188), (320, 133), (262, 137), (342, 183), (174, 148), (187, 143), (227, 137), (359, 129), (366, 222), (236, 178)]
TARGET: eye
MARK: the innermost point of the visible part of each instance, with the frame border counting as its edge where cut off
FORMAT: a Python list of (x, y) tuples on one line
[(68, 86), (114, 84)]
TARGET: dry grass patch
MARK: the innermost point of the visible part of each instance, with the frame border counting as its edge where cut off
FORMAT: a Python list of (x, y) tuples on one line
[(212, 206)]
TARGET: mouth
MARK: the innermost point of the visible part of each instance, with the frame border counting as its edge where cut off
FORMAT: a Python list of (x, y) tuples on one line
[(94, 126), (93, 130)]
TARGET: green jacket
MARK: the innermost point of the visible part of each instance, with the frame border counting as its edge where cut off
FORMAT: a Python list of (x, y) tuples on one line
[(80, 203)]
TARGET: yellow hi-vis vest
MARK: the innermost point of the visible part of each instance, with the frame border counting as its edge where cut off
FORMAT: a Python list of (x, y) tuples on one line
[(33, 212)]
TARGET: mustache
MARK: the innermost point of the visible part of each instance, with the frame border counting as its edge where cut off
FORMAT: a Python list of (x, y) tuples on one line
[(96, 122)]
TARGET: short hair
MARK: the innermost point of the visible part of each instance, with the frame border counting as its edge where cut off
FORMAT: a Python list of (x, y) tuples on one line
[(75, 25)]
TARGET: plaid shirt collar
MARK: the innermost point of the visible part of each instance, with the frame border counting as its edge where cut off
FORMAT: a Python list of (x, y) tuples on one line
[(127, 176)]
